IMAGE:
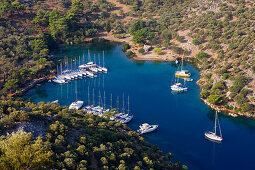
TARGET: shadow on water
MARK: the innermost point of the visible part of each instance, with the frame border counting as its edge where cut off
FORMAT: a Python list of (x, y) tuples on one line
[(41, 92), (157, 62), (237, 120), (139, 63), (173, 64)]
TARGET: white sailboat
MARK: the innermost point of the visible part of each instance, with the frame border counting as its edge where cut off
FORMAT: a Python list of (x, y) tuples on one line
[(78, 103), (104, 69), (213, 135), (177, 86), (129, 116), (99, 68)]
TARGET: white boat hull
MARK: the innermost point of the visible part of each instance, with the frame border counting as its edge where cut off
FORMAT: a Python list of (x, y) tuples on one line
[(213, 137), (154, 127), (76, 105)]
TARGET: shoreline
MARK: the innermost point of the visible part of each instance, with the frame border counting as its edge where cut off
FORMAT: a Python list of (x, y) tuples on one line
[(148, 56)]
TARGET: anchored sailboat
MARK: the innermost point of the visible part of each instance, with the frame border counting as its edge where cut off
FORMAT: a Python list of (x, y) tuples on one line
[(213, 135), (182, 73)]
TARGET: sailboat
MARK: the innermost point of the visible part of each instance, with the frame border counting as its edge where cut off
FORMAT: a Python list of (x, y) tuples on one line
[(182, 73), (98, 66), (129, 117), (78, 103), (177, 86), (103, 68), (213, 135), (59, 79)]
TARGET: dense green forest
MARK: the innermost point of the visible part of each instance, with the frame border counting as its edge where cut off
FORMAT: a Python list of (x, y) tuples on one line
[(72, 140)]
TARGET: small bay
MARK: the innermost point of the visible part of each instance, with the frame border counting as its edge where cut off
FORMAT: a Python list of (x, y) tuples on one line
[(183, 118)]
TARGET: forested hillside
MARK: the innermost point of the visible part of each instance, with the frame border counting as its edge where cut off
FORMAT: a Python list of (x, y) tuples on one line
[(71, 140)]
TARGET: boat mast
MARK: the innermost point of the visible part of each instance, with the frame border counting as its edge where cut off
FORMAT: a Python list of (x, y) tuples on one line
[(71, 65), (67, 63), (104, 99), (88, 56), (88, 96), (79, 60), (117, 103), (76, 90), (219, 127), (111, 100), (182, 63), (99, 59), (128, 105), (215, 122), (103, 58), (123, 109), (83, 58), (75, 64), (93, 98), (99, 95), (61, 67)]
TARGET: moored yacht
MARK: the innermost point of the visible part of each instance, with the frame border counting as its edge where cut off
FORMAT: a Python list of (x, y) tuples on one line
[(179, 87), (126, 119), (58, 80), (89, 74), (182, 74), (76, 105), (146, 128)]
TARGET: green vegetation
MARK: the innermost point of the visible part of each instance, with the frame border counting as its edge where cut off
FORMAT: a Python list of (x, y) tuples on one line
[(215, 99), (73, 140), (201, 55), (141, 50), (157, 51), (125, 47), (130, 54)]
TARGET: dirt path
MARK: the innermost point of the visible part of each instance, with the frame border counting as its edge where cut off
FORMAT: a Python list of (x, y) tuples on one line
[(119, 6)]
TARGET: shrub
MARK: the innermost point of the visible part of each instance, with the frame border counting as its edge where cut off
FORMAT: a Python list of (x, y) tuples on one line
[(195, 41), (245, 92), (246, 107), (225, 76), (180, 39), (240, 99), (157, 51), (204, 94), (219, 85), (202, 55), (125, 47), (130, 54), (253, 68), (215, 99), (141, 50)]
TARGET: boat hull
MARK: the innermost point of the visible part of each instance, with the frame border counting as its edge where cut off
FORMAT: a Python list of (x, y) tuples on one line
[(213, 137), (154, 127)]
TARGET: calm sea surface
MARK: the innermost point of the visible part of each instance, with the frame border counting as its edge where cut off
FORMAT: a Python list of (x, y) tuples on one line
[(183, 118)]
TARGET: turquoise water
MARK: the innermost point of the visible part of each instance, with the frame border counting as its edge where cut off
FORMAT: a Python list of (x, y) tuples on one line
[(183, 118)]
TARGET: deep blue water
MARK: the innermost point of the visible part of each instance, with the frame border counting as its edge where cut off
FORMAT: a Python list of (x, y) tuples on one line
[(183, 118)]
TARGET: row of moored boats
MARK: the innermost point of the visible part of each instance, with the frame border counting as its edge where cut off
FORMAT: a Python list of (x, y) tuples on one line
[(107, 113), (90, 69)]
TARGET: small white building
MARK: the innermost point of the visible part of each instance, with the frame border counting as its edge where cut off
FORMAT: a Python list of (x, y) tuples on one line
[(147, 48)]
